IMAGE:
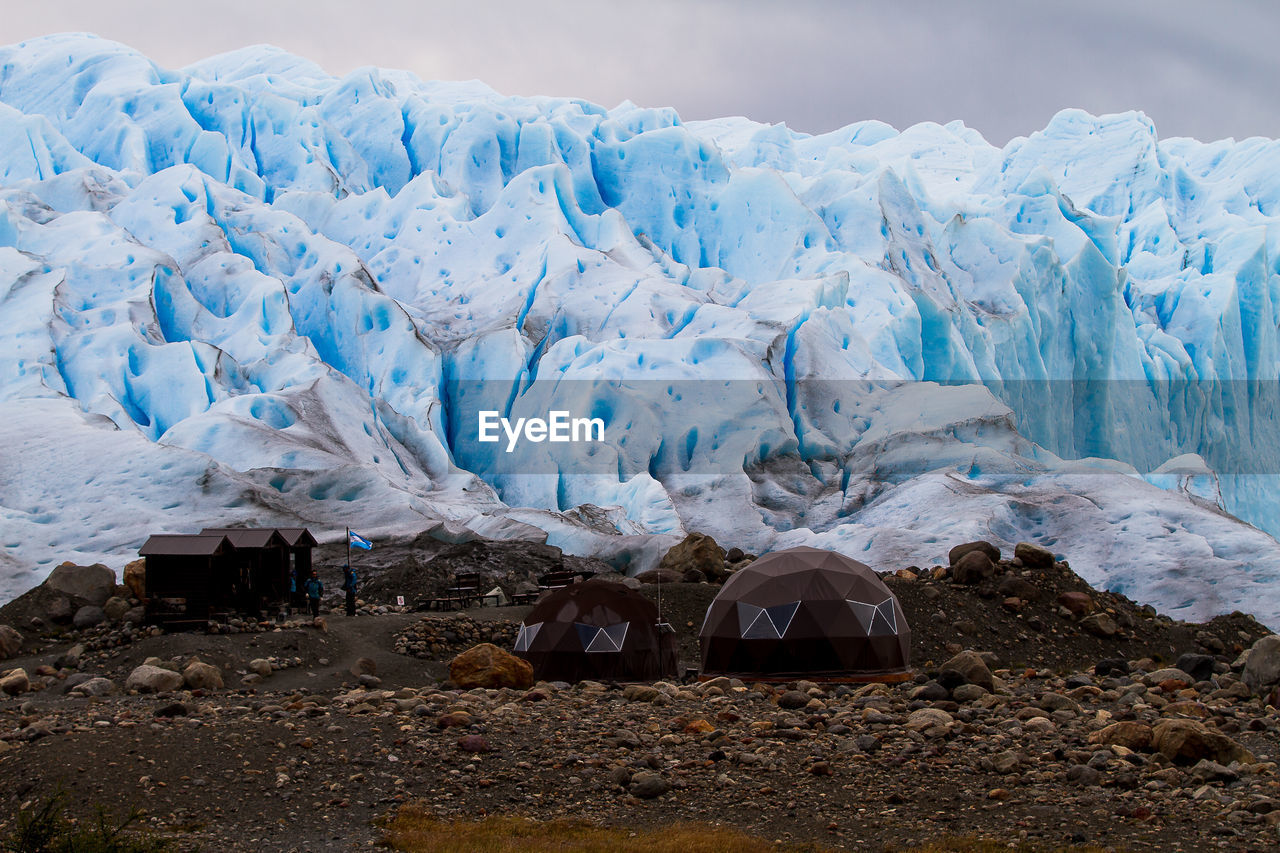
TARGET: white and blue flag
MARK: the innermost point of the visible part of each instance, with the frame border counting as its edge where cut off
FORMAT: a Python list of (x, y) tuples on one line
[(358, 541)]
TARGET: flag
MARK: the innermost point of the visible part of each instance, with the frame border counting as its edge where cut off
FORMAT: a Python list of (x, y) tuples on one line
[(358, 541)]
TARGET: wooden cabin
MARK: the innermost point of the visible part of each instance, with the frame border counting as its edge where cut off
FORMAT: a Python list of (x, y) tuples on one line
[(188, 577), (223, 570)]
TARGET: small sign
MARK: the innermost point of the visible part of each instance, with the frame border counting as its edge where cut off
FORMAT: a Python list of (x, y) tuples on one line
[(399, 601)]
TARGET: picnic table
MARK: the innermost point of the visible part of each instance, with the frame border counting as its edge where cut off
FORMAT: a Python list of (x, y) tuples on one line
[(464, 592)]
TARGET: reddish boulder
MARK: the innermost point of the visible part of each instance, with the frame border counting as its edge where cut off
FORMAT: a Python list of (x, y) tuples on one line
[(1189, 741), (486, 665), (992, 552), (1078, 603), (697, 552), (974, 567), (1130, 734)]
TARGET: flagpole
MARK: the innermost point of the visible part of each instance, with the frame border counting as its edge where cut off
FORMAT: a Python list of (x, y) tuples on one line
[(348, 547)]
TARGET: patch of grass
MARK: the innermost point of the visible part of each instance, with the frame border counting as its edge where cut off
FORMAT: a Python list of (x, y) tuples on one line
[(45, 828), (415, 829)]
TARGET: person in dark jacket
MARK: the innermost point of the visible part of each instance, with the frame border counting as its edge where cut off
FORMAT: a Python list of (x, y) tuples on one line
[(314, 589), (349, 585)]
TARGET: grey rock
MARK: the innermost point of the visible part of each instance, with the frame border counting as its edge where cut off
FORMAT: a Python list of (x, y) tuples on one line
[(1100, 625), (1167, 674), (70, 659), (10, 642), (153, 679), (647, 785), (98, 686), (971, 669), (1033, 556), (1058, 702), (88, 616), (968, 692), (793, 699), (74, 679), (1012, 585), (1082, 774), (1211, 771), (930, 692), (115, 608), (92, 584), (1262, 670), (260, 666), (202, 676), (60, 610), (1007, 762)]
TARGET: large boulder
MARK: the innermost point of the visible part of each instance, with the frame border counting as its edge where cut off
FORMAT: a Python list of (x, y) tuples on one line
[(992, 552), (698, 552), (58, 608), (1130, 734), (153, 679), (135, 577), (94, 687), (14, 682), (10, 642), (968, 667), (927, 718), (1033, 556), (199, 675), (973, 568), (89, 584), (1100, 625), (1262, 670), (1189, 741), (1167, 675), (1199, 667), (486, 665)]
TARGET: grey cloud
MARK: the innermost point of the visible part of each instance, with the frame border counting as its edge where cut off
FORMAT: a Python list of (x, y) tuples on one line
[(1003, 66)]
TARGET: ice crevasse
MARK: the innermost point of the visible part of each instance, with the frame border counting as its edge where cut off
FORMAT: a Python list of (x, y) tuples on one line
[(250, 291)]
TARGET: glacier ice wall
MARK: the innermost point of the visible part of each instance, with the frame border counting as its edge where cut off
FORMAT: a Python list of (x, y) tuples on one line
[(250, 290)]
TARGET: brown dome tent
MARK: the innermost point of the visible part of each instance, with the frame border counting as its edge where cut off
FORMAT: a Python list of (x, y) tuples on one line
[(596, 630), (806, 613)]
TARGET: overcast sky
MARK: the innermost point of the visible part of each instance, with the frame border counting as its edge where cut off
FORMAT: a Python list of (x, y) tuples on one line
[(1199, 69)]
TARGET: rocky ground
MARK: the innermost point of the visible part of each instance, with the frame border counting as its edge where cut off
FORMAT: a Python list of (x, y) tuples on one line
[(1059, 728)]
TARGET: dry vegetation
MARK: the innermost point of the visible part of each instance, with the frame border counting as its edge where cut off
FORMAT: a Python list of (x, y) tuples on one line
[(416, 829)]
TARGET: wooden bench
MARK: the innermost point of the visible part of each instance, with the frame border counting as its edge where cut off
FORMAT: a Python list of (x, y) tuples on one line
[(464, 593), (561, 579)]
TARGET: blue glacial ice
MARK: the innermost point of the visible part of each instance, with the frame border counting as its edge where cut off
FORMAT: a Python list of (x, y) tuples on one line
[(249, 291)]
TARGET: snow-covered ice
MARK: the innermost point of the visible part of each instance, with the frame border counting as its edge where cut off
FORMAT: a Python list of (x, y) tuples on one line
[(247, 290)]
